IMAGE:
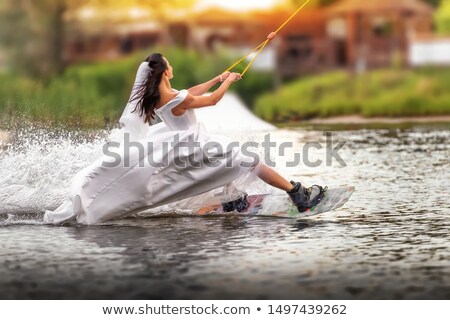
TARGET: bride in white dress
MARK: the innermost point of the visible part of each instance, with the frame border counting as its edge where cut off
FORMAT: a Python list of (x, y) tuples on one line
[(170, 161)]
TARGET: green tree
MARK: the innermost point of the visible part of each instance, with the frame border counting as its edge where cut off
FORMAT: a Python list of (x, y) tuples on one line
[(34, 32), (434, 2), (442, 17)]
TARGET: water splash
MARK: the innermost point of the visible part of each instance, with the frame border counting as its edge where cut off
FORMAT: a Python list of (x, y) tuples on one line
[(37, 165)]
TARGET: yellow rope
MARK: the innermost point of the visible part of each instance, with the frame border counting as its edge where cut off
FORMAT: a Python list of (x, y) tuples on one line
[(293, 15), (237, 62), (262, 45), (254, 58)]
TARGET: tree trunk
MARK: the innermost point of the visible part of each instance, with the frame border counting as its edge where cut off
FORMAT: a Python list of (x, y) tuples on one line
[(58, 37)]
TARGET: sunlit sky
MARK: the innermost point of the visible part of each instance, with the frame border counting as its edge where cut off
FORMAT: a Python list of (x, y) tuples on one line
[(238, 5), (136, 12)]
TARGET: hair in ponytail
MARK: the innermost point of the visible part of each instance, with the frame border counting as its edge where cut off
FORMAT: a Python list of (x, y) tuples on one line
[(147, 95)]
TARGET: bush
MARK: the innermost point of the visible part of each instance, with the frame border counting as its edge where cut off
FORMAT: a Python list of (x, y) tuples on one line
[(392, 93), (94, 95)]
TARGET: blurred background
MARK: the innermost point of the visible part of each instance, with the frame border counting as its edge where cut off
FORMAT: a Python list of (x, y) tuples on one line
[(354, 67), (73, 62)]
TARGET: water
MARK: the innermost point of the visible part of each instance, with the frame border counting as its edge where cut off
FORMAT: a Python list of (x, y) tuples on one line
[(391, 241)]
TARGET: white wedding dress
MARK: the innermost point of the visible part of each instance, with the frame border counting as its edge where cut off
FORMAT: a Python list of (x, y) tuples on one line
[(162, 170)]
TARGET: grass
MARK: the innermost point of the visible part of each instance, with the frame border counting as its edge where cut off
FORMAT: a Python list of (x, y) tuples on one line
[(94, 95), (382, 93)]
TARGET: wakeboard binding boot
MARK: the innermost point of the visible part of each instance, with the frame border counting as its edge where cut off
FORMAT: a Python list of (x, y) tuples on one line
[(306, 198), (240, 204)]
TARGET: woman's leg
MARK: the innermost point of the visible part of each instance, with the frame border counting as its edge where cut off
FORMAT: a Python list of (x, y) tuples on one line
[(273, 178), (303, 198)]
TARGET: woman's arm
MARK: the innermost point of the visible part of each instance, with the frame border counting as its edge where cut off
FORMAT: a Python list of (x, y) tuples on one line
[(194, 102), (203, 88)]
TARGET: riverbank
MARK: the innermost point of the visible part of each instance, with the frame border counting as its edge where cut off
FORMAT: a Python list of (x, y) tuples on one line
[(361, 120), (358, 123), (376, 94)]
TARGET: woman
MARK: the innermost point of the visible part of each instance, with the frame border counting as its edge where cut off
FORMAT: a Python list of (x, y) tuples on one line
[(104, 191)]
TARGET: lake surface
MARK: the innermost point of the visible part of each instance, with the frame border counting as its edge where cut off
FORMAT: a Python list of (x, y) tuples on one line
[(390, 241)]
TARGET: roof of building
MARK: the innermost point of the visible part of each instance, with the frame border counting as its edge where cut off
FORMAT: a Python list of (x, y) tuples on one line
[(309, 21), (217, 16), (347, 6)]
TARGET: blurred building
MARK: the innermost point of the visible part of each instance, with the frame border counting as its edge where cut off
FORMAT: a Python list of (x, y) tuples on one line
[(354, 34), (377, 33), (429, 50), (94, 44), (303, 45), (99, 34), (350, 34)]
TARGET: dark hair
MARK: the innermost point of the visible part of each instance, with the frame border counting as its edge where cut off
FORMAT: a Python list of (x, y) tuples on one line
[(148, 94)]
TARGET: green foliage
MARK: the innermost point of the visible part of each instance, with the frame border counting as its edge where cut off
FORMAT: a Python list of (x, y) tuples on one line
[(442, 17), (434, 2), (391, 93), (94, 95), (254, 83)]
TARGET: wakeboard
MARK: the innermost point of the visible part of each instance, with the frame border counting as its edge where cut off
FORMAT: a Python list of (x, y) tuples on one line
[(282, 206)]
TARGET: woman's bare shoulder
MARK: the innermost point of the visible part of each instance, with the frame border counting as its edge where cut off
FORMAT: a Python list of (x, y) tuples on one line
[(166, 99)]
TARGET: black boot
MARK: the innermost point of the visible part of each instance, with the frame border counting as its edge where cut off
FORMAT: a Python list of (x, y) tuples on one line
[(306, 198), (299, 196), (240, 204)]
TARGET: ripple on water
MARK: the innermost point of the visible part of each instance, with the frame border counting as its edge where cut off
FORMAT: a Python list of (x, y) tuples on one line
[(390, 241)]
